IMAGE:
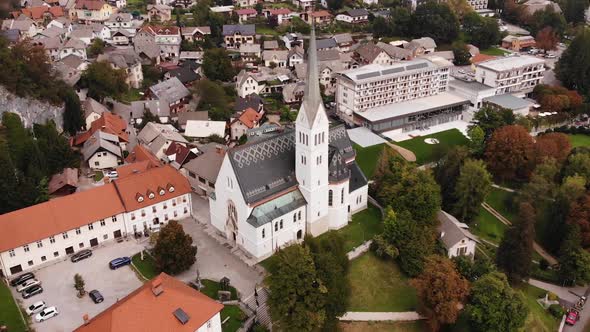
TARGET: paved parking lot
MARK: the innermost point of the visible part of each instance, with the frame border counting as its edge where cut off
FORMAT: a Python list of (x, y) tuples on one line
[(58, 286)]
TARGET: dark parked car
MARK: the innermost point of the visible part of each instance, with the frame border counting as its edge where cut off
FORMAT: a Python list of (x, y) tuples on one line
[(80, 255), (118, 262), (22, 278), (32, 291), (96, 296)]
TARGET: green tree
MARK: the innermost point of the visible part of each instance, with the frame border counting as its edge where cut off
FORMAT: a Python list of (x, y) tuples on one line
[(547, 17), (381, 27), (174, 250), (476, 140), (435, 20), (401, 19), (79, 284), (446, 173), (573, 260), (516, 249), (461, 54), (482, 32), (146, 118), (212, 97), (297, 297), (578, 164), (96, 47), (441, 290), (494, 306), (574, 11), (217, 65), (542, 187), (9, 184), (472, 186), (73, 118), (490, 118), (102, 81), (573, 67), (472, 269)]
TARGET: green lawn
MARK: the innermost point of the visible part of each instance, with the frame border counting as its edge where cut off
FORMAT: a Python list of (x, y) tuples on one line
[(579, 140), (147, 266), (131, 95), (368, 157), (266, 30), (493, 51), (417, 326), (210, 288), (426, 153), (98, 175), (488, 227), (378, 285), (363, 227), (236, 318), (139, 5), (9, 311), (501, 201), (539, 320)]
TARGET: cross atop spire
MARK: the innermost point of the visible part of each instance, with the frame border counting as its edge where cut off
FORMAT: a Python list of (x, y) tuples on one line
[(312, 99)]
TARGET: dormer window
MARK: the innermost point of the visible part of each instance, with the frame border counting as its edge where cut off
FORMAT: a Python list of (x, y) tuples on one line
[(170, 188), (139, 197), (151, 194), (161, 191)]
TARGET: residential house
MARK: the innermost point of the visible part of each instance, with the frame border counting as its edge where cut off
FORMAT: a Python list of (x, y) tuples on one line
[(121, 21), (141, 154), (26, 27), (127, 60), (168, 38), (119, 4), (292, 39), (354, 16), (295, 56), (293, 92), (12, 35), (185, 74), (192, 34), (73, 46), (270, 45), (455, 236), (167, 304), (326, 44), (370, 53), (195, 116), (250, 54), (396, 53), (281, 14), (52, 47), (62, 23), (279, 58), (88, 11), (157, 137), (264, 81), (421, 46), (239, 125), (204, 129), (202, 171), (517, 43), (40, 14), (179, 154), (121, 37), (344, 41), (320, 17), (252, 100), (245, 3), (63, 183), (70, 69), (235, 35), (109, 123), (159, 13), (532, 6), (93, 110), (42, 234), (245, 14), (137, 109), (102, 151), (172, 92), (304, 5)]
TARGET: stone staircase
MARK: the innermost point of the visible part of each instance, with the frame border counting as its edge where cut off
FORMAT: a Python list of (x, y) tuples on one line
[(260, 307)]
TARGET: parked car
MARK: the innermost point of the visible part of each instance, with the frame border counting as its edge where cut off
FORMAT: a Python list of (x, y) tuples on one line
[(35, 307), (32, 291), (118, 262), (46, 313), (112, 174), (572, 317), (96, 296), (550, 56), (80, 255), (23, 277), (27, 284)]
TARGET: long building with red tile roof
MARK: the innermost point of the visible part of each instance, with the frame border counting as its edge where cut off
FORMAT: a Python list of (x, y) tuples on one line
[(108, 123), (41, 233), (161, 304)]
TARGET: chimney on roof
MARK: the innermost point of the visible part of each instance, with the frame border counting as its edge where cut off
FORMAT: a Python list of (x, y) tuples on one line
[(157, 287), (86, 319)]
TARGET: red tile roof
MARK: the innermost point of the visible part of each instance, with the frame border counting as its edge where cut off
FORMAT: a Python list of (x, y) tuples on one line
[(279, 11), (250, 118), (141, 153), (89, 4), (161, 30), (133, 168), (321, 13), (37, 12), (108, 123), (246, 11), (68, 177), (481, 58), (144, 311), (181, 152)]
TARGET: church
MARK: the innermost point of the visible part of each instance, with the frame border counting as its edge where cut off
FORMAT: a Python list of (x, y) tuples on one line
[(271, 192)]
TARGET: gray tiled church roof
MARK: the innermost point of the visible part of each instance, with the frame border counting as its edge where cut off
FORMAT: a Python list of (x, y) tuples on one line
[(357, 178), (267, 167)]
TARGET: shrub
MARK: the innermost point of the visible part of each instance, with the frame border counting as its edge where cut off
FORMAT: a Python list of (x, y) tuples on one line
[(543, 264), (556, 311), (552, 296)]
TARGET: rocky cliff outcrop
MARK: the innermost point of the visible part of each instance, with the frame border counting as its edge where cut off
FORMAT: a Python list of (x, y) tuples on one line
[(30, 110)]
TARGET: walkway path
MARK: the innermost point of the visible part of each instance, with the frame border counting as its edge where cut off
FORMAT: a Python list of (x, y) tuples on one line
[(503, 188), (381, 316), (552, 260), (407, 154)]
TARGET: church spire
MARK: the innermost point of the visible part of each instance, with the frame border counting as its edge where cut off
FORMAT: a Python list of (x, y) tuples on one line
[(312, 97)]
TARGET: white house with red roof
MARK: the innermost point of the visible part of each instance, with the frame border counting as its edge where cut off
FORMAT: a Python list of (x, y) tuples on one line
[(89, 11)]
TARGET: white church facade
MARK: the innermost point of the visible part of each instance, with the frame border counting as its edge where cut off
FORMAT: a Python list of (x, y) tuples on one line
[(271, 192)]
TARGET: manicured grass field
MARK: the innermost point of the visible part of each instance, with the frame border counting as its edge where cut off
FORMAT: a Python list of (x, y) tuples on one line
[(147, 266), (493, 51), (236, 318), (131, 95), (488, 227), (426, 153), (579, 140), (9, 311), (363, 227), (265, 30), (368, 157), (539, 319), (418, 326), (378, 285), (501, 200), (212, 287)]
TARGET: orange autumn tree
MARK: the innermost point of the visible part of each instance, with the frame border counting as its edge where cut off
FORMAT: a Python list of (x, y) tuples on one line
[(547, 39), (510, 153), (553, 145)]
